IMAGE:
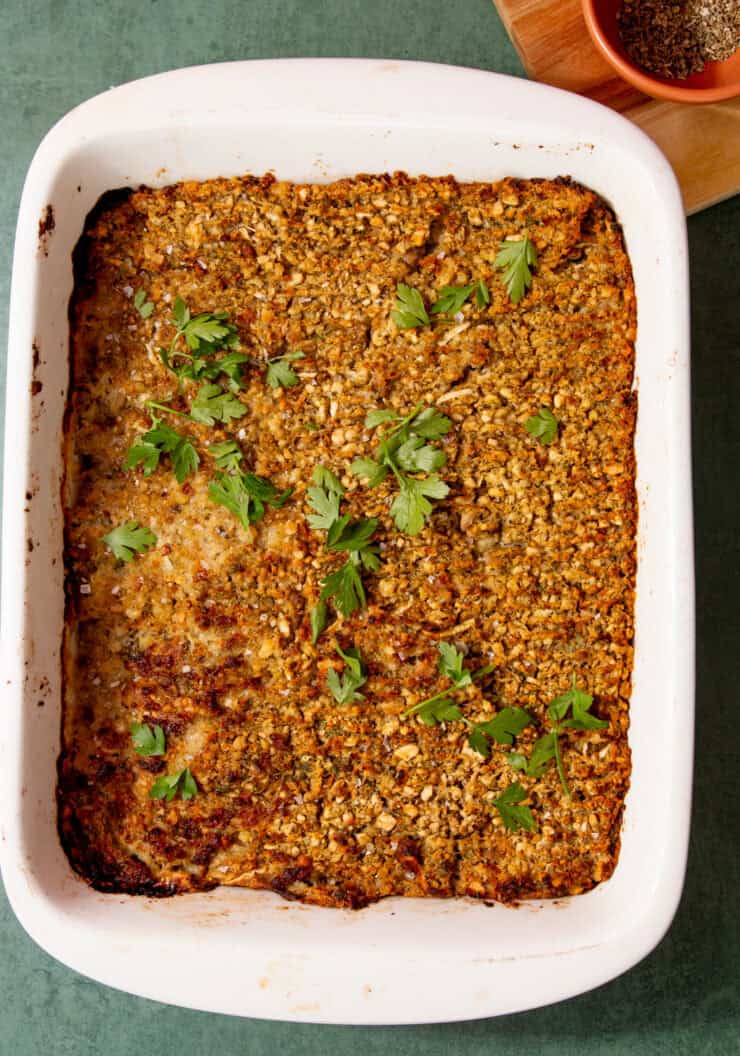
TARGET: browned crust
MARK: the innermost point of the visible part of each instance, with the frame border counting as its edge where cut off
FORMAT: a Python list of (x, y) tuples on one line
[(529, 563)]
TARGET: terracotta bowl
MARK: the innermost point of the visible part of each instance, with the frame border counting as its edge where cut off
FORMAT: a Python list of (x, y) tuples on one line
[(718, 80)]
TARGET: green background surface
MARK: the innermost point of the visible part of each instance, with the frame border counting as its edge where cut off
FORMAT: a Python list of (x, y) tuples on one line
[(685, 997)]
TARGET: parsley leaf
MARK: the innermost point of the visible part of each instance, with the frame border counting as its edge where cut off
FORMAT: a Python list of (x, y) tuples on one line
[(344, 585), (210, 329), (502, 728), (440, 707), (451, 662), (416, 456), (324, 478), (160, 440), (411, 506), (482, 294), (213, 405), (245, 495), (145, 454), (403, 450), (377, 417), (409, 310), (351, 535), (450, 299), (580, 704), (227, 455), (345, 588), (515, 817), (516, 258), (543, 426), (543, 751), (147, 740), (129, 539), (429, 423), (373, 471), (203, 335), (142, 305), (344, 689), (168, 786), (546, 748), (326, 507), (228, 490), (318, 617), (280, 374)]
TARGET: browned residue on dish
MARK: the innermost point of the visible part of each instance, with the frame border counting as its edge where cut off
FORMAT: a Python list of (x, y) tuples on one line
[(47, 223)]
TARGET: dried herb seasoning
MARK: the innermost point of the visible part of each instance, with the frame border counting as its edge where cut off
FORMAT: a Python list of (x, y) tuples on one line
[(676, 39)]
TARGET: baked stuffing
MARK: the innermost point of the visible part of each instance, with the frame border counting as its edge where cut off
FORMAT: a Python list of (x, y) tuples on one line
[(528, 563)]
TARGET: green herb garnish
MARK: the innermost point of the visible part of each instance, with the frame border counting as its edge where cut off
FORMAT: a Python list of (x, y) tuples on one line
[(142, 305), (409, 308), (516, 258), (344, 585), (450, 299), (227, 455), (246, 495), (147, 740), (502, 727), (160, 440), (547, 747), (203, 335), (168, 786), (410, 311), (404, 450), (513, 816), (324, 498), (543, 425), (213, 405), (318, 617), (129, 539), (280, 374), (344, 689)]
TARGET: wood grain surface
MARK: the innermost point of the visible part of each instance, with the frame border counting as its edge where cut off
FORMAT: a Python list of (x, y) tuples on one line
[(701, 142)]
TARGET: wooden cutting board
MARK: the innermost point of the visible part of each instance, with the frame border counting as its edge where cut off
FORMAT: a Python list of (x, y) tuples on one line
[(701, 142)]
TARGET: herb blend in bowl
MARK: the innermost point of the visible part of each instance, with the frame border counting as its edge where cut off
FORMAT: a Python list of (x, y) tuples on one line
[(676, 39)]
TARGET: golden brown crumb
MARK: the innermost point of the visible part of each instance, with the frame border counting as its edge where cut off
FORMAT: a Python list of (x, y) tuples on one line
[(528, 564)]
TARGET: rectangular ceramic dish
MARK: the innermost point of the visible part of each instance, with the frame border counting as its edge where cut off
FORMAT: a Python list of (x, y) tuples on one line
[(247, 952)]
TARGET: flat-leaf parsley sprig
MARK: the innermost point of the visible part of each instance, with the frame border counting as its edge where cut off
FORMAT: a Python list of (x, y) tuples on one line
[(197, 339), (170, 785), (515, 258), (404, 450), (502, 728), (546, 748), (211, 404), (280, 374), (246, 495), (410, 311), (543, 426), (128, 539), (343, 586), (513, 815), (160, 440), (451, 298), (344, 689), (147, 740)]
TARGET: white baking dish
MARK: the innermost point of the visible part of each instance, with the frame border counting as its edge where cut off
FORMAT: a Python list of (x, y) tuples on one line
[(249, 953)]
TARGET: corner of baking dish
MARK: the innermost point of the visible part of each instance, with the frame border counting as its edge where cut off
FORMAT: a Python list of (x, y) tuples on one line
[(257, 955)]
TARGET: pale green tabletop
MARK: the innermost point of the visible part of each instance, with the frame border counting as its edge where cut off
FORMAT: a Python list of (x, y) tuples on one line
[(685, 997)]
